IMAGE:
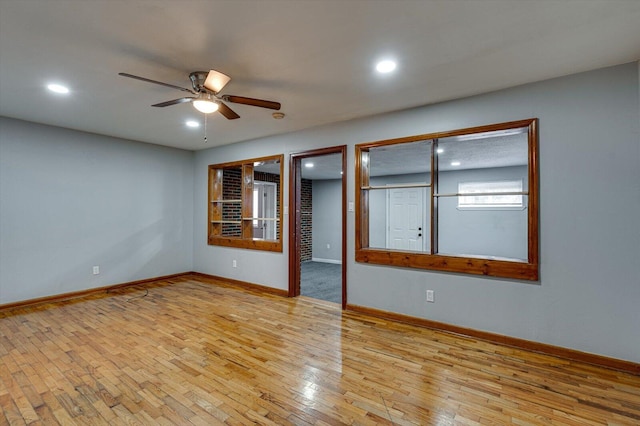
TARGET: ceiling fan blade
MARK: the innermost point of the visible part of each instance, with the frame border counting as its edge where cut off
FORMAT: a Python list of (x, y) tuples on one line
[(251, 101), (173, 102), (216, 81), (148, 80), (227, 112)]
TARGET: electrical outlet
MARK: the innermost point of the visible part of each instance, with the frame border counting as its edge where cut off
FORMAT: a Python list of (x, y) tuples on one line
[(328, 246), (96, 270), (430, 296), (235, 263)]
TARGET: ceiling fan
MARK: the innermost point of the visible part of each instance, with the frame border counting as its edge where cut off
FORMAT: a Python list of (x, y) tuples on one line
[(206, 87)]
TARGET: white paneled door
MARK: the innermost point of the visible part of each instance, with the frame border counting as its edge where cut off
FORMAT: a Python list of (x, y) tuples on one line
[(405, 219)]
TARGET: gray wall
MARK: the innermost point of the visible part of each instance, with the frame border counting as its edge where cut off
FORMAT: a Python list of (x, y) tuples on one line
[(588, 295), (259, 267), (327, 220), (72, 200)]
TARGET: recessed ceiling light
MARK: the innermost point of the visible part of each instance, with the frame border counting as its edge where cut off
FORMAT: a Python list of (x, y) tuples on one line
[(440, 150), (308, 165), (192, 123), (58, 88), (455, 163), (385, 67)]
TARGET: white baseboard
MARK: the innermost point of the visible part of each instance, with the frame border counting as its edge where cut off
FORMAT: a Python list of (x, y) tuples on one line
[(317, 259)]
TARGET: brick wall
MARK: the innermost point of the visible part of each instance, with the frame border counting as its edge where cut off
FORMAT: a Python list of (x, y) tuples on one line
[(306, 212)]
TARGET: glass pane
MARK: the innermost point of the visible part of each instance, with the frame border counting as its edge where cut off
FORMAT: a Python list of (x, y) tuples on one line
[(256, 195), (399, 203), (400, 163), (264, 210), (490, 150), (487, 224), (491, 195), (266, 207), (485, 233), (399, 219)]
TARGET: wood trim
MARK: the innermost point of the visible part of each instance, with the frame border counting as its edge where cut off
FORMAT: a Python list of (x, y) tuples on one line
[(436, 262), (543, 348), (216, 280), (250, 244), (433, 223), (84, 293), (362, 198), (240, 163), (214, 209), (343, 151), (247, 200), (533, 197), (458, 132), (295, 227)]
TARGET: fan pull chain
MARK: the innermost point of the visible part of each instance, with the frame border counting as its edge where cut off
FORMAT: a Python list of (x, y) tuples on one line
[(205, 128)]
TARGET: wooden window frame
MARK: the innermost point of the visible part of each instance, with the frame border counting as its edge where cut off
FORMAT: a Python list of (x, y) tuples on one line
[(477, 265), (215, 201)]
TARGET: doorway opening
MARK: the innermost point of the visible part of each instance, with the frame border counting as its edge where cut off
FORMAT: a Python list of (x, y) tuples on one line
[(317, 224)]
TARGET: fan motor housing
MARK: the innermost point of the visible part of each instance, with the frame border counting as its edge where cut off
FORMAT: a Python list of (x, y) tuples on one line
[(197, 80)]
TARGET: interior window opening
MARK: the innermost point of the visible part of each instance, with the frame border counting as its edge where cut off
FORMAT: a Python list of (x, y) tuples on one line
[(245, 199), (459, 201)]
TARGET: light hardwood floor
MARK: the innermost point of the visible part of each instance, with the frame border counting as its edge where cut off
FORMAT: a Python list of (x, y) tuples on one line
[(192, 352)]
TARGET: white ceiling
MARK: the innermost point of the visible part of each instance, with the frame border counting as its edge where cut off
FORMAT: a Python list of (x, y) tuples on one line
[(315, 57)]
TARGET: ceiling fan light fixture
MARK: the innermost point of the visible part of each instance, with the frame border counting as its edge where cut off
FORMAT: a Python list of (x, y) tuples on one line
[(205, 87), (216, 81), (205, 105)]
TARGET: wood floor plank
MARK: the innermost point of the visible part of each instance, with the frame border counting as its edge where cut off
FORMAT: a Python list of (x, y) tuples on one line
[(193, 351)]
